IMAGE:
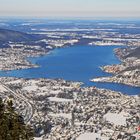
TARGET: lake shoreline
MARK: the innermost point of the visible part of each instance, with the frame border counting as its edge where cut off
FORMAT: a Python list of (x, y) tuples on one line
[(74, 50)]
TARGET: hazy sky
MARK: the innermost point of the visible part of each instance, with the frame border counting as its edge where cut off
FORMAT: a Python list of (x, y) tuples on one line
[(73, 8)]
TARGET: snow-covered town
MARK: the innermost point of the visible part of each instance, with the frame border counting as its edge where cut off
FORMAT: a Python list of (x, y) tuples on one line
[(63, 109), (68, 111)]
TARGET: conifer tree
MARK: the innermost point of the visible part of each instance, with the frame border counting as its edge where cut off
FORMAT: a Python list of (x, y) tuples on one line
[(12, 126)]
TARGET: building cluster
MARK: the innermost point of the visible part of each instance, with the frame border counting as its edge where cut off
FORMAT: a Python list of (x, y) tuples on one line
[(128, 72), (15, 57), (58, 109)]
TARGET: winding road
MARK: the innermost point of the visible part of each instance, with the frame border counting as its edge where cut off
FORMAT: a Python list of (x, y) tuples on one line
[(20, 98)]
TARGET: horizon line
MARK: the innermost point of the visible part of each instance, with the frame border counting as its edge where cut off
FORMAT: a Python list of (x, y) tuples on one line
[(70, 17)]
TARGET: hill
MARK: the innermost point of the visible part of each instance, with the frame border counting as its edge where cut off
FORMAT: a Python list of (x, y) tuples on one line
[(134, 53), (15, 36)]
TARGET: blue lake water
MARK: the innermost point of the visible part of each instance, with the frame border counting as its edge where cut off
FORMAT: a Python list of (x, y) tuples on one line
[(77, 63)]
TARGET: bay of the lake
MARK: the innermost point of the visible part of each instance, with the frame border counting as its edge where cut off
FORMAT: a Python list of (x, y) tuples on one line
[(76, 63)]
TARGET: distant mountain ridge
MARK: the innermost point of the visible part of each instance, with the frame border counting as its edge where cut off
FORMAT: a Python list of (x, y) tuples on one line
[(11, 35)]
